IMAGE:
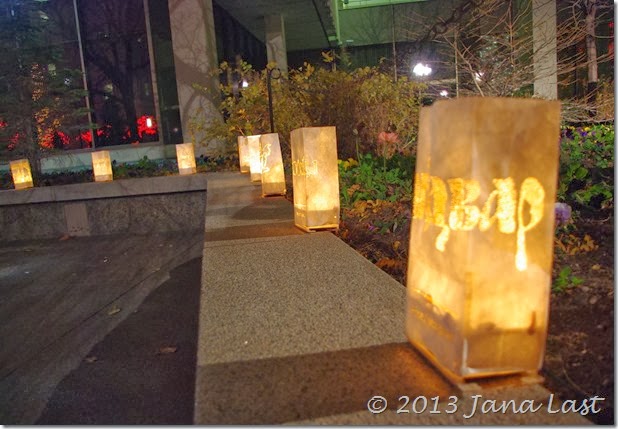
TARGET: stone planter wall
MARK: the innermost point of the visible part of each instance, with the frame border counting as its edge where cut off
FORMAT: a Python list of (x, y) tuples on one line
[(132, 206)]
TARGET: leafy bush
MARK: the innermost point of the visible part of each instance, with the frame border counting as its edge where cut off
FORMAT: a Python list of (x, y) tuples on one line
[(565, 280), (374, 179), (587, 167), (376, 195), (362, 104)]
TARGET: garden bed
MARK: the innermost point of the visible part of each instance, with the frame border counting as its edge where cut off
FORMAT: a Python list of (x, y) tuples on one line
[(579, 360)]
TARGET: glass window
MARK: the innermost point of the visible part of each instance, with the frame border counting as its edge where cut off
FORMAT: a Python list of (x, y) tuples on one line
[(171, 128), (117, 62), (62, 36)]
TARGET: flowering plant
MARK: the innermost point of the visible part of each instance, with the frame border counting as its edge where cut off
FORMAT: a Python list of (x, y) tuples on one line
[(388, 144)]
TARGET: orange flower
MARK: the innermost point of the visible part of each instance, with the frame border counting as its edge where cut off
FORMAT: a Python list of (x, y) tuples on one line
[(388, 144), (385, 138)]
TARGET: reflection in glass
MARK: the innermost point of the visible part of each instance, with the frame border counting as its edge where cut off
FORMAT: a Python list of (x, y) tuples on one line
[(117, 61)]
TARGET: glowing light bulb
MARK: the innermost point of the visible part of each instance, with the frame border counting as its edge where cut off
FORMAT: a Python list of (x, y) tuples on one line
[(421, 70)]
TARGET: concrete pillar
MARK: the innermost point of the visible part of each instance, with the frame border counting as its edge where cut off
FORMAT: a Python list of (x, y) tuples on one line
[(195, 57), (275, 42), (544, 45)]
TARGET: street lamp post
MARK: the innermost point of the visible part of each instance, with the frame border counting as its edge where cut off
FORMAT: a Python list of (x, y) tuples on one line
[(272, 75)]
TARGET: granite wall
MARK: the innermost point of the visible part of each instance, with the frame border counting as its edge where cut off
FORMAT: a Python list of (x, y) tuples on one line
[(134, 206)]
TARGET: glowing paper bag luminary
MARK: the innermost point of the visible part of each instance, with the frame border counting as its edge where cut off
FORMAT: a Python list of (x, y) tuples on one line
[(273, 177), (102, 166), (186, 158), (315, 177), (243, 154), (481, 242), (22, 176), (255, 163)]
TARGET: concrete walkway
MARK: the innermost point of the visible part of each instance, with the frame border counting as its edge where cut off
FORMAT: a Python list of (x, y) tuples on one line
[(299, 328), (58, 299), (294, 328)]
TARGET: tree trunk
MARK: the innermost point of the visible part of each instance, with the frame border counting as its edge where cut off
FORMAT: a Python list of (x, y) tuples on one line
[(591, 53)]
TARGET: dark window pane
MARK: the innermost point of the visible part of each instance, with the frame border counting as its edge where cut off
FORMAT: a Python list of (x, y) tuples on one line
[(171, 128), (62, 36), (117, 62)]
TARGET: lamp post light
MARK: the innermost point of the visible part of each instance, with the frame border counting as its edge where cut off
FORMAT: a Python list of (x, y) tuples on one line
[(421, 70), (273, 73)]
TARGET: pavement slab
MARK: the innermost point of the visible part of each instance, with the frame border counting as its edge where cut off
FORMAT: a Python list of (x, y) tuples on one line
[(143, 371), (289, 328), (301, 329), (60, 298)]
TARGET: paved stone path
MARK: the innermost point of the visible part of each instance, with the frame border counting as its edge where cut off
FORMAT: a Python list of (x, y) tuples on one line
[(301, 329)]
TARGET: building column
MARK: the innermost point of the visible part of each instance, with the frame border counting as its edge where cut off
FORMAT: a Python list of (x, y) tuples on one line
[(195, 58), (544, 45), (275, 42)]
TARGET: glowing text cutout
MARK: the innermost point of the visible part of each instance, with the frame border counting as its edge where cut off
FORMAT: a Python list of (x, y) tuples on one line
[(430, 205), (302, 167)]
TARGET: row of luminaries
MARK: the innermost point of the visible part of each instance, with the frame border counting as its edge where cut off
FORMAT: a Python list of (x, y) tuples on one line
[(481, 239), (315, 174), (102, 166), (482, 233)]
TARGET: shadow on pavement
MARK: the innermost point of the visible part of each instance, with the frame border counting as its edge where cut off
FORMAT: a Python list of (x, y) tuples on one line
[(142, 372)]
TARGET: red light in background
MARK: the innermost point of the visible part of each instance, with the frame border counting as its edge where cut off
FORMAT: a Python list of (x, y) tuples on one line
[(84, 138), (54, 139), (146, 125)]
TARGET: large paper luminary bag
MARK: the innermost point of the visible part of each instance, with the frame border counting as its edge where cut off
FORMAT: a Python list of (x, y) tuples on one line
[(315, 177), (102, 166), (243, 154), (273, 178), (482, 235), (185, 155), (255, 163), (22, 176)]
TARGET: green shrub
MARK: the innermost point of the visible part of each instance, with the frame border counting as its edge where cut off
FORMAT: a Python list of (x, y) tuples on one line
[(372, 179), (361, 104), (565, 280), (587, 167)]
